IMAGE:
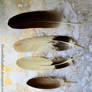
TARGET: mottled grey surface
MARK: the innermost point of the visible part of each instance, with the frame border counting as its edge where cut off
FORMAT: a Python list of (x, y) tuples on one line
[(73, 11)]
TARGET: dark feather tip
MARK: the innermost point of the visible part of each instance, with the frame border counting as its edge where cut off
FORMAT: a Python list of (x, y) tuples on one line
[(62, 66), (58, 62), (58, 42), (63, 38), (60, 46), (35, 19)]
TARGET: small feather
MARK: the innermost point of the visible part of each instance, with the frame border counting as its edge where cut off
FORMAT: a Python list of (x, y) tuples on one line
[(36, 19), (44, 82)]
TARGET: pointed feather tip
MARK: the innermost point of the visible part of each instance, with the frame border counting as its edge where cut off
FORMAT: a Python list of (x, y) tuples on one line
[(62, 42), (35, 19)]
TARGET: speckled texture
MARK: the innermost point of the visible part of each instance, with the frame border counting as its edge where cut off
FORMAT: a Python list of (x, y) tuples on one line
[(73, 11)]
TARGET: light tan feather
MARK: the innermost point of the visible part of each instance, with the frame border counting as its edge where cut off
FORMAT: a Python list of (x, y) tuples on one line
[(35, 63), (32, 44), (56, 43)]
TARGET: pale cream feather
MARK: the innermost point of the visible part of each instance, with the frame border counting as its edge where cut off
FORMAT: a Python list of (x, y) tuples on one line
[(35, 63), (32, 44)]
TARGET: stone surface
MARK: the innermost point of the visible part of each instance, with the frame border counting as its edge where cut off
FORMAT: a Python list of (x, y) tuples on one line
[(73, 11)]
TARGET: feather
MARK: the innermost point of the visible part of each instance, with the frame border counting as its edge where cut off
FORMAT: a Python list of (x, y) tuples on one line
[(36, 19), (44, 82), (51, 82), (41, 63), (57, 43)]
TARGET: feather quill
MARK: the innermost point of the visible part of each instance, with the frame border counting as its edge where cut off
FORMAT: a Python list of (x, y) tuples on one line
[(57, 43), (36, 19)]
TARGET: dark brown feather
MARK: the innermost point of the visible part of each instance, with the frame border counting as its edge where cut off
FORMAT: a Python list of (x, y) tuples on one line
[(35, 19), (44, 82)]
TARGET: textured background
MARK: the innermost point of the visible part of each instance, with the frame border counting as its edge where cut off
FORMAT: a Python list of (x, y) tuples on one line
[(73, 11)]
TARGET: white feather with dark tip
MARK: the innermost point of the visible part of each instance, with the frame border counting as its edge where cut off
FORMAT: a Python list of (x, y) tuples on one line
[(41, 63), (56, 43)]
